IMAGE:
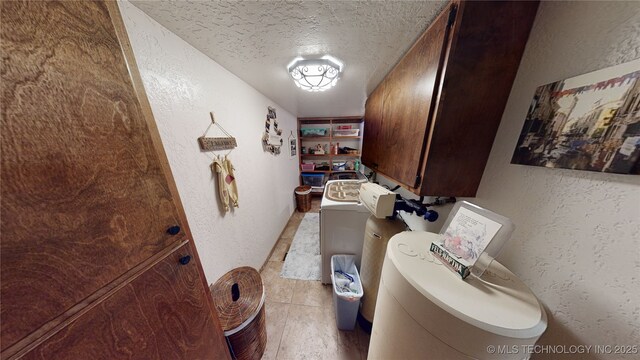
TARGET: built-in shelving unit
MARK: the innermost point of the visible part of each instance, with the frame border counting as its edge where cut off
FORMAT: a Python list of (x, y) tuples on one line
[(327, 142)]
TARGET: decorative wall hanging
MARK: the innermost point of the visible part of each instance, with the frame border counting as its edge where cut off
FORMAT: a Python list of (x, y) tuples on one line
[(293, 145), (216, 143), (588, 122), (272, 138), (227, 187), (221, 165)]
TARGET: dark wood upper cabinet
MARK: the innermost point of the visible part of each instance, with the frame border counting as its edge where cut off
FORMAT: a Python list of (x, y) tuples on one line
[(373, 126), (444, 100), (407, 100), (87, 198)]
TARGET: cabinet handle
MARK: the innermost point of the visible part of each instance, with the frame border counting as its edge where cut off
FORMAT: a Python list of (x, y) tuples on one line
[(185, 260), (174, 230)]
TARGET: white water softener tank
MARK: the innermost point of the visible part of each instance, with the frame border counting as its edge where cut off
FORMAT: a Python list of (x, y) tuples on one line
[(425, 311), (377, 234)]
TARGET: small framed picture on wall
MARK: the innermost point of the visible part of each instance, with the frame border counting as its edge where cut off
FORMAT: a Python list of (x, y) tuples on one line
[(293, 147)]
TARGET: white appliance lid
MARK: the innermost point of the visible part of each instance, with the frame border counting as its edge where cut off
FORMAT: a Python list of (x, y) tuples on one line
[(328, 204), (499, 302)]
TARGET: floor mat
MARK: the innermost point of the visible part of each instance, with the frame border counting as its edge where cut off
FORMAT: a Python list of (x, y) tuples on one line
[(303, 259)]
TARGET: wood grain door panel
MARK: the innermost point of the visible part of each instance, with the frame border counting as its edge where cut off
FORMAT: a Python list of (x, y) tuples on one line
[(488, 42), (408, 98), (163, 314), (372, 127), (84, 198)]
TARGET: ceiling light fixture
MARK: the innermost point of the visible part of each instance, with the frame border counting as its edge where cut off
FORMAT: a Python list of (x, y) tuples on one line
[(315, 74)]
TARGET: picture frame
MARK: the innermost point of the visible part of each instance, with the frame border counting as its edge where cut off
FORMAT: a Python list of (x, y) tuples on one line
[(272, 139), (587, 122), (471, 238), (293, 147)]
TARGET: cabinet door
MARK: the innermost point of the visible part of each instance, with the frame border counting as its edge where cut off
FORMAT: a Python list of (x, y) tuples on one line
[(372, 127), (163, 314), (489, 38), (408, 104), (84, 198)]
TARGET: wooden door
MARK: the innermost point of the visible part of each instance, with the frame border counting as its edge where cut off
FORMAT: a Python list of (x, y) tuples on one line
[(84, 197), (159, 315), (408, 105), (372, 127)]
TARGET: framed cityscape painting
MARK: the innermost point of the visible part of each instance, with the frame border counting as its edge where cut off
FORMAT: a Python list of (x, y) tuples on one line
[(588, 122)]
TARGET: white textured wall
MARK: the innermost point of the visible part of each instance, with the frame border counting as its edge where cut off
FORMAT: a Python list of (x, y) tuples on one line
[(577, 243), (183, 85)]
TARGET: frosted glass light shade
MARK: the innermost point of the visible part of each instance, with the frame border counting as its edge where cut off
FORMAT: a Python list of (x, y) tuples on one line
[(315, 74)]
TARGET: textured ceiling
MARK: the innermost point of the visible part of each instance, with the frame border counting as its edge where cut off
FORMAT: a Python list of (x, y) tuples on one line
[(256, 40)]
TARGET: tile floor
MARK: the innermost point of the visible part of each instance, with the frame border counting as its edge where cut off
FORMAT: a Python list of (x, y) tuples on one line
[(300, 314)]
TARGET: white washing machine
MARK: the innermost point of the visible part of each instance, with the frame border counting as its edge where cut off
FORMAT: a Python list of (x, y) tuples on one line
[(425, 311), (342, 222)]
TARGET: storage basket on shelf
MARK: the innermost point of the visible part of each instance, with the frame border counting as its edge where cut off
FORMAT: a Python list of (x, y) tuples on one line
[(239, 299), (314, 132), (339, 166), (307, 166), (303, 198), (346, 132), (316, 180)]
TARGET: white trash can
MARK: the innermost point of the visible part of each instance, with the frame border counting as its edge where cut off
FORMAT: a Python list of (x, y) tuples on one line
[(347, 290)]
